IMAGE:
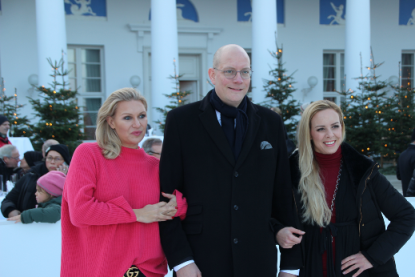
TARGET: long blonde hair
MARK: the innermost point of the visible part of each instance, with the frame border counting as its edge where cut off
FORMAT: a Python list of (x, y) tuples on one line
[(107, 138), (313, 193)]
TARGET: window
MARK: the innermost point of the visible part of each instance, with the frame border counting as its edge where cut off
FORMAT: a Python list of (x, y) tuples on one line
[(333, 75), (407, 80), (248, 51), (86, 68)]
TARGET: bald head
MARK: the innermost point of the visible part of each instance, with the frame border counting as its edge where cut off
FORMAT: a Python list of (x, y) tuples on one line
[(230, 88), (224, 50), (47, 144)]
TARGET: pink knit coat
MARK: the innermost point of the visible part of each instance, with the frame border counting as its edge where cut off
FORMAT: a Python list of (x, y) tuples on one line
[(100, 232)]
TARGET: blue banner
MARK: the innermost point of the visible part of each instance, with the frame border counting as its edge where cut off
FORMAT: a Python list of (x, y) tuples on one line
[(86, 7), (332, 12), (407, 12), (244, 10), (185, 11)]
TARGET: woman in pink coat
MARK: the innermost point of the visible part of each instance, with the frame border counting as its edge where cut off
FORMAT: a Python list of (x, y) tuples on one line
[(110, 204)]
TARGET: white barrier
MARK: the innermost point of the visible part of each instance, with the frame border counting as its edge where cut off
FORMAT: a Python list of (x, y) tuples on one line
[(36, 249), (31, 248), (22, 144)]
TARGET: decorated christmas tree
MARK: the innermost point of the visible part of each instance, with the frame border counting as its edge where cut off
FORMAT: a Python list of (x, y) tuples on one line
[(364, 111), (177, 99), (399, 120), (19, 125), (279, 94), (57, 111)]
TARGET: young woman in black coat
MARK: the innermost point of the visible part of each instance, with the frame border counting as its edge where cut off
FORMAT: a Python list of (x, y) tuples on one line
[(340, 197)]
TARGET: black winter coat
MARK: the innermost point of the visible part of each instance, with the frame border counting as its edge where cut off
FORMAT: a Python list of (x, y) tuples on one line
[(7, 173), (22, 196), (406, 166), (235, 207), (411, 187), (375, 195)]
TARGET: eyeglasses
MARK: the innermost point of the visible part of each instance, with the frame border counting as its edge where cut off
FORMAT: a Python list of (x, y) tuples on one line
[(56, 159), (15, 158), (153, 153), (231, 73)]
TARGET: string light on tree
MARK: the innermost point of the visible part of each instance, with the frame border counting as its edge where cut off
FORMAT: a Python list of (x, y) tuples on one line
[(10, 109), (364, 111), (279, 92), (57, 110), (401, 115)]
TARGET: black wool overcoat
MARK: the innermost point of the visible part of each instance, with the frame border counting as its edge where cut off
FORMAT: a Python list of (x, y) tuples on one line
[(235, 207)]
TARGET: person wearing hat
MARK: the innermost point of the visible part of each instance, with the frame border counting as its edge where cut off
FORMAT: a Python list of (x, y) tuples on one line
[(22, 196), (30, 158), (4, 128), (406, 165), (49, 197), (58, 157)]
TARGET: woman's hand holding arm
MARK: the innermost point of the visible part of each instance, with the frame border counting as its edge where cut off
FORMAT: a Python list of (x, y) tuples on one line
[(178, 201), (172, 200), (154, 213)]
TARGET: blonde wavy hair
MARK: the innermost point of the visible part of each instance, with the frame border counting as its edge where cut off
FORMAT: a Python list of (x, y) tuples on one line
[(107, 138), (311, 188)]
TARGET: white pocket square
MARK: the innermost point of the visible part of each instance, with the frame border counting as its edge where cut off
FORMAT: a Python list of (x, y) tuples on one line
[(265, 145)]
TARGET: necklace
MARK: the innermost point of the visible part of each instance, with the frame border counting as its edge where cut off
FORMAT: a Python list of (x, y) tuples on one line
[(337, 187), (335, 192)]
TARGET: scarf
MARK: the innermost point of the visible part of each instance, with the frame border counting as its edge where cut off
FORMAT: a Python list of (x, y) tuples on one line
[(4, 139), (234, 134)]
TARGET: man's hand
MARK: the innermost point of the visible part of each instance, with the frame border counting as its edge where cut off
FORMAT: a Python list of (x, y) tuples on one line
[(286, 237), (353, 262), (14, 213), (285, 274), (190, 270)]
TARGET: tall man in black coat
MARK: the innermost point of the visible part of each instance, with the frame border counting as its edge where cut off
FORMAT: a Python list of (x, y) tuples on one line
[(406, 165), (229, 159)]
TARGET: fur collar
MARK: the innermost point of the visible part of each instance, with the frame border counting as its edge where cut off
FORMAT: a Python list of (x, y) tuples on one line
[(356, 164)]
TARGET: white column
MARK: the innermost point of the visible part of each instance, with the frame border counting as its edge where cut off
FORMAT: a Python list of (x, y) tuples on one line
[(0, 69), (357, 41), (264, 32), (164, 49), (51, 37)]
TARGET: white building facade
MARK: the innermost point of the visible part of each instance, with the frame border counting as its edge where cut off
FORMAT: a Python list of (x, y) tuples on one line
[(111, 44)]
